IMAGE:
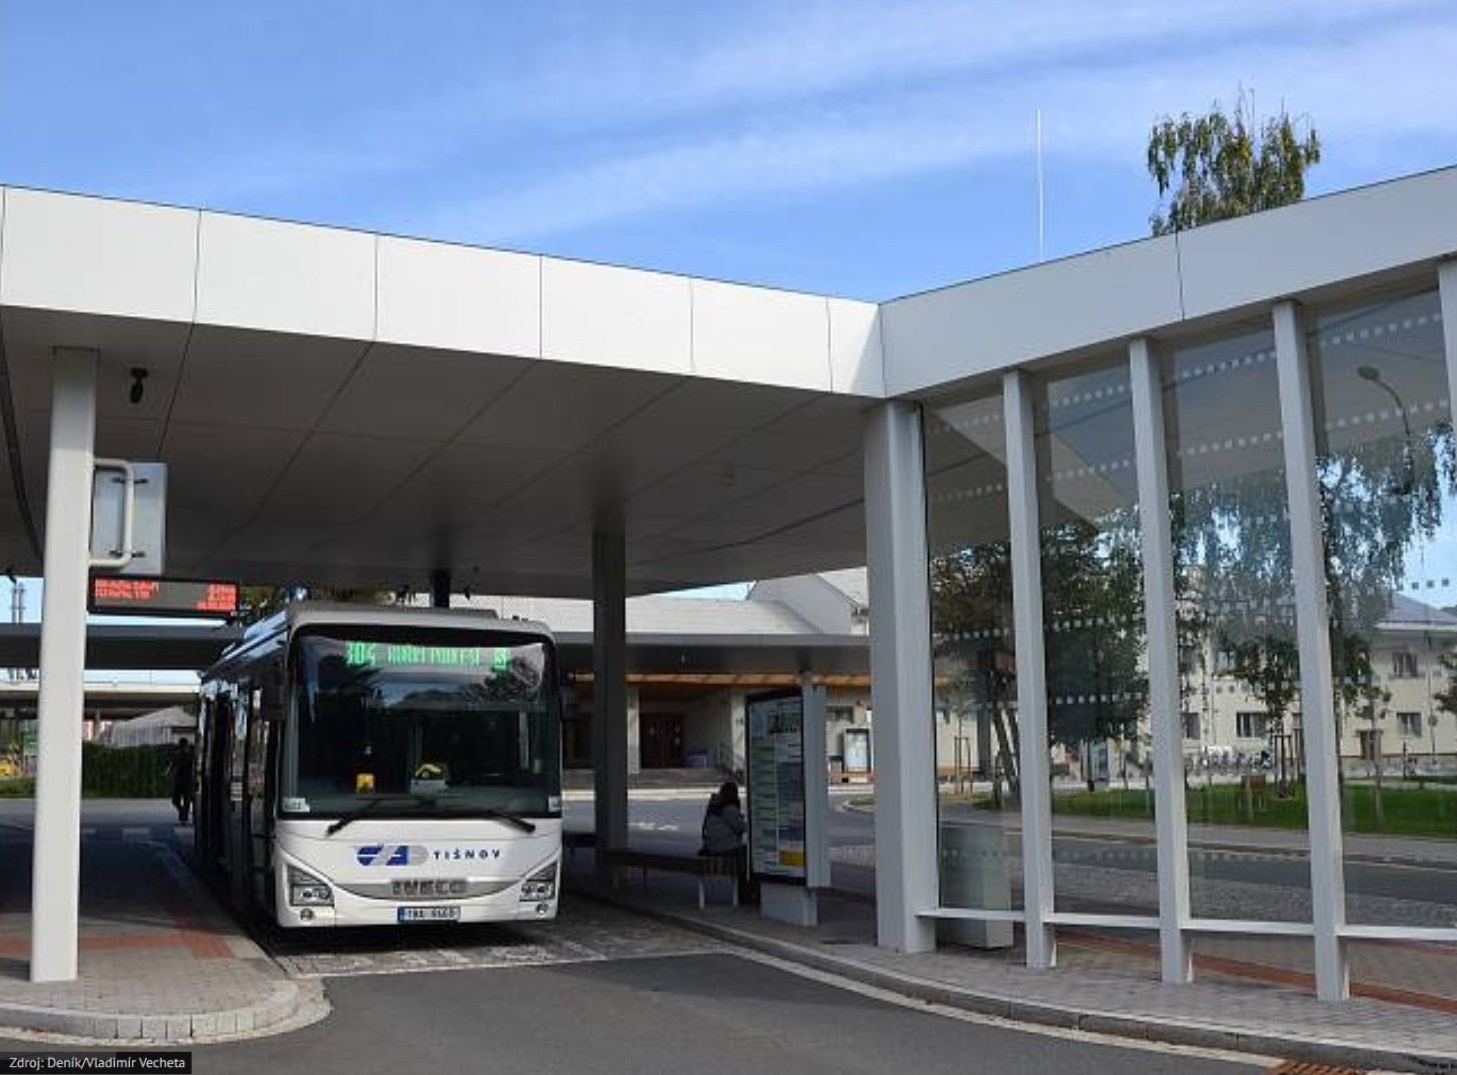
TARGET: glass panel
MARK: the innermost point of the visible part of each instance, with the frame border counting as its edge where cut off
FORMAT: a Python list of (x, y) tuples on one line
[(1389, 492), (974, 663), (1097, 683), (1239, 672)]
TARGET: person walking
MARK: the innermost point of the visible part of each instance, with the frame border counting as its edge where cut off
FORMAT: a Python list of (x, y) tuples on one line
[(183, 771)]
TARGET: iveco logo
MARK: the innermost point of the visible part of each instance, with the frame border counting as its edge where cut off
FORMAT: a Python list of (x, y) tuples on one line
[(427, 887), (391, 855)]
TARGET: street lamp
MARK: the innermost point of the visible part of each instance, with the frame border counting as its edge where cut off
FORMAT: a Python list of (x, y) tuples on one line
[(1372, 374)]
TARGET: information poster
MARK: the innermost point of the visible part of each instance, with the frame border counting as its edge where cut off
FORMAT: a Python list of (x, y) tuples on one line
[(775, 725)]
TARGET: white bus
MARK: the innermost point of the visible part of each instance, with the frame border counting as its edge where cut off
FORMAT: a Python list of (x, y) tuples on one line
[(364, 765)]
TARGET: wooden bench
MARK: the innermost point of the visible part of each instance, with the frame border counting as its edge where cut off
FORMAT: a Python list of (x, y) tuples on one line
[(700, 866)]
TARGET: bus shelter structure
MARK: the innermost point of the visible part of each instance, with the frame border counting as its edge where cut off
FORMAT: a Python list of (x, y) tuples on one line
[(361, 410)]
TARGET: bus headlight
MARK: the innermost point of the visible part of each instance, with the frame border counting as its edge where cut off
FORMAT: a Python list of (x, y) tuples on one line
[(539, 886), (306, 890)]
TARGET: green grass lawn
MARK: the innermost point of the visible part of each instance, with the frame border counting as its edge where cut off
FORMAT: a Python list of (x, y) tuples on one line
[(1407, 809)]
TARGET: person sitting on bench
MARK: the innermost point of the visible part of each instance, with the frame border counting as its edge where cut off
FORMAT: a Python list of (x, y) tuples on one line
[(723, 834)]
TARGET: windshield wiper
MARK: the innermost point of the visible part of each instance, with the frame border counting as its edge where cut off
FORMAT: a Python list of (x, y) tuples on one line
[(496, 815), (425, 800), (353, 815)]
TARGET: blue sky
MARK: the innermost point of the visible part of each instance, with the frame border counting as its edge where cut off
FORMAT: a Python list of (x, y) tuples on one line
[(860, 149), (863, 149)]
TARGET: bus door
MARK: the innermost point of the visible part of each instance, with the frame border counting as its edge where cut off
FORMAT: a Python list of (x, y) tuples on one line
[(260, 792), (237, 811), (205, 707), (216, 766)]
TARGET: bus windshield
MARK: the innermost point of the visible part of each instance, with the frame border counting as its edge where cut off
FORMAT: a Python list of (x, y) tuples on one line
[(422, 722)]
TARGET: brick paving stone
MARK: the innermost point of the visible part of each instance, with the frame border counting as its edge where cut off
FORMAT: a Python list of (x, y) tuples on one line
[(157, 958)]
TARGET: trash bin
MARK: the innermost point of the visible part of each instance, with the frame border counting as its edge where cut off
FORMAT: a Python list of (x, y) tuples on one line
[(974, 873)]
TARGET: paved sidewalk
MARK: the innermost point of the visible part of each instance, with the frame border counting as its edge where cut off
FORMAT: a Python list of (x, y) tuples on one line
[(1099, 986), (159, 961)]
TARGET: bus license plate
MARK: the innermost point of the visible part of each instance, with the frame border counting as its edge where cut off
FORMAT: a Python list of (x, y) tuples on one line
[(429, 914)]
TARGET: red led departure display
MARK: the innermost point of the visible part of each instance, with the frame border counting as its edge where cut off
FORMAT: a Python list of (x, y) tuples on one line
[(121, 595)]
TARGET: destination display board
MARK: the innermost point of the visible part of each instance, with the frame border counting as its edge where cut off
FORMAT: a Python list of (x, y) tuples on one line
[(410, 655), (132, 595), (775, 748)]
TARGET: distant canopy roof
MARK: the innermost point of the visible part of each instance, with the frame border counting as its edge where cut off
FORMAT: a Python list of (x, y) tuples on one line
[(171, 717)]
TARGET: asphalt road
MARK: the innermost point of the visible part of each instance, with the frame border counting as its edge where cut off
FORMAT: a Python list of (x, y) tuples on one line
[(1292, 870), (636, 1016)]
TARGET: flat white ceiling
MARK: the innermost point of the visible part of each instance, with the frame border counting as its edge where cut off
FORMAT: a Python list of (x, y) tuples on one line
[(296, 459)]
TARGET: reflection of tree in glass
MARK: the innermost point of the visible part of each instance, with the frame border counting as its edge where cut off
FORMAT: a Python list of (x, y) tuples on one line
[(971, 627), (338, 677), (1232, 574), (1376, 498), (1092, 593), (493, 692), (519, 681), (1446, 699), (526, 669), (334, 707), (1092, 584)]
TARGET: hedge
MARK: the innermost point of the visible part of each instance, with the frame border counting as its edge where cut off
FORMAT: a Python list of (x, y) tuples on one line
[(108, 772), (143, 772)]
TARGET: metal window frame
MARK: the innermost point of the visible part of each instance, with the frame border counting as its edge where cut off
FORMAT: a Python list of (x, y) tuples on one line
[(1317, 689), (1024, 532), (1166, 717)]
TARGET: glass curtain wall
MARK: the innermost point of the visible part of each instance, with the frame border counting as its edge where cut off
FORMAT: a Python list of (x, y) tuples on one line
[(1388, 484), (1099, 731), (1239, 675), (974, 662)]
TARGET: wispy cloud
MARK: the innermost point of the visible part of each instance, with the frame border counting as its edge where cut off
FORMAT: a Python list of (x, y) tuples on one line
[(790, 53), (1101, 108), (615, 114), (267, 171)]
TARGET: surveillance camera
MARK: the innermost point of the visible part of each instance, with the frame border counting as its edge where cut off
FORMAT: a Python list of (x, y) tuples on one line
[(139, 377)]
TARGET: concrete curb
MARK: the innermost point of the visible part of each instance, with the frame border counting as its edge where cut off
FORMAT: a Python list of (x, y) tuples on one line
[(289, 1005), (1016, 1009)]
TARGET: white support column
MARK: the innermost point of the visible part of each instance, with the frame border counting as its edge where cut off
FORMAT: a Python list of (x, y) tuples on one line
[(1447, 281), (1033, 756), (1312, 622), (738, 733), (816, 785), (633, 735), (56, 858), (1162, 631), (900, 676), (609, 690)]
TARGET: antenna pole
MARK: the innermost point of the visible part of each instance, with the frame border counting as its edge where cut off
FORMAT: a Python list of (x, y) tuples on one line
[(1041, 231)]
